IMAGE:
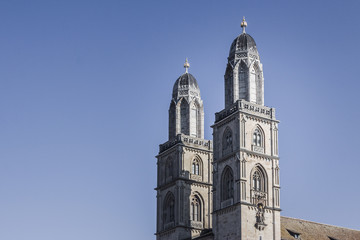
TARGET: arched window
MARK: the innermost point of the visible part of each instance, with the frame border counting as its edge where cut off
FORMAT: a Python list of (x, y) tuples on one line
[(195, 209), (195, 168), (172, 120), (259, 188), (227, 185), (184, 116), (243, 80), (228, 85), (227, 141), (257, 138), (169, 208), (258, 180), (194, 119)]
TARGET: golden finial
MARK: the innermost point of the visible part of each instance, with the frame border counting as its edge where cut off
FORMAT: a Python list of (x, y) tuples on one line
[(243, 24), (186, 65)]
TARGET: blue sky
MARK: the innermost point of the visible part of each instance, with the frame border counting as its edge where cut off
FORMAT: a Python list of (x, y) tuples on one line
[(86, 86)]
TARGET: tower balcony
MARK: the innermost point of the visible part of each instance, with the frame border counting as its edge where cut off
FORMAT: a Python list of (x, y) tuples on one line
[(188, 141), (248, 107)]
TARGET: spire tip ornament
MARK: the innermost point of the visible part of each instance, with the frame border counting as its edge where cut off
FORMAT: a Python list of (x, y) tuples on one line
[(243, 24), (186, 65)]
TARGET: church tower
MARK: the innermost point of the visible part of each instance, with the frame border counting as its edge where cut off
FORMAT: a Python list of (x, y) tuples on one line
[(246, 190), (184, 182)]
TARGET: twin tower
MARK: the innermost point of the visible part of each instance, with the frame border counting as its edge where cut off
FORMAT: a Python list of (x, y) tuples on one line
[(228, 188)]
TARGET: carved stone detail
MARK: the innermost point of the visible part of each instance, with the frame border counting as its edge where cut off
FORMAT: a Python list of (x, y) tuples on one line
[(246, 106), (260, 218), (196, 177), (180, 138), (196, 224), (258, 149), (258, 197)]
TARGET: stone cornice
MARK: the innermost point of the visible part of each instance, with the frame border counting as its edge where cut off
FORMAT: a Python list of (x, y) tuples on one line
[(166, 232), (195, 150), (258, 155), (185, 140), (249, 153), (186, 180), (166, 185), (172, 230), (199, 184), (249, 108)]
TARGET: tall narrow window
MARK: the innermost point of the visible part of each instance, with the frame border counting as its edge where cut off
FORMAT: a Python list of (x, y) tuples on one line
[(172, 120), (256, 181), (195, 167), (227, 184), (277, 175), (194, 118), (195, 209), (227, 141), (243, 81), (169, 208), (228, 85), (257, 138), (184, 112), (259, 188)]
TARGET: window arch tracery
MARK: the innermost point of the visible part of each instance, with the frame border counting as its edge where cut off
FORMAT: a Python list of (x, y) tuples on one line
[(227, 185), (195, 209), (243, 76), (257, 138), (169, 208), (184, 116), (227, 141), (259, 180), (194, 119), (196, 167), (259, 186)]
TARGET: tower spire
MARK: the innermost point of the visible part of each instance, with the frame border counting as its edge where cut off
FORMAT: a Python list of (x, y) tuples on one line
[(186, 65), (243, 24)]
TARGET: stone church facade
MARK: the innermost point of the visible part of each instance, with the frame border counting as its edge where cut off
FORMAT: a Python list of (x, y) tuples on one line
[(228, 188)]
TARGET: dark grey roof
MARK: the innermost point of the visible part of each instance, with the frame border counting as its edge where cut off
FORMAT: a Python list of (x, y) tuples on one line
[(243, 42), (185, 81)]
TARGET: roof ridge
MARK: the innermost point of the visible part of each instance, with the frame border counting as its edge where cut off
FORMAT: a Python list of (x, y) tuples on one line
[(321, 223)]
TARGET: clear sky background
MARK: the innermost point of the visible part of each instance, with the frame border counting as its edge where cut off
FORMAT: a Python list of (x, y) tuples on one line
[(86, 86)]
